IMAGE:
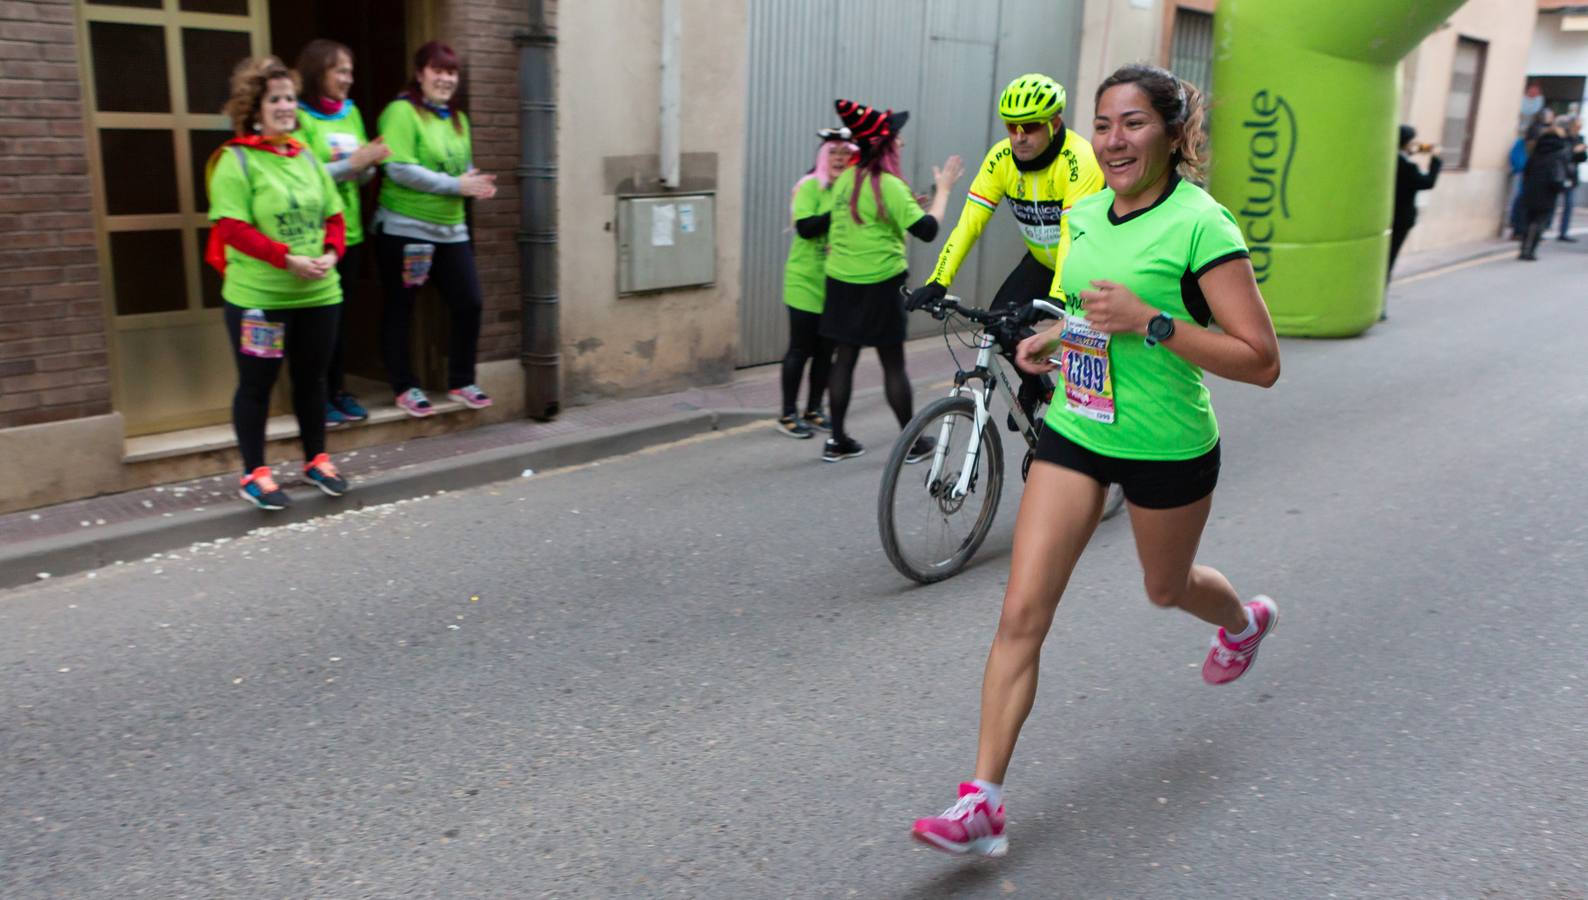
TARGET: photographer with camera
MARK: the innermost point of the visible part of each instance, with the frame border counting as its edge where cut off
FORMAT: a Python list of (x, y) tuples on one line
[(1409, 179)]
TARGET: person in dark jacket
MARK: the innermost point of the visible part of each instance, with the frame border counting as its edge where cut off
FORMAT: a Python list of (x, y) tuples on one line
[(1578, 155), (1409, 179), (1543, 180)]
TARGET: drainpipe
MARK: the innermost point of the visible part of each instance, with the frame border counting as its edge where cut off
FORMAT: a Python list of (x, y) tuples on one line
[(540, 340), (672, 26)]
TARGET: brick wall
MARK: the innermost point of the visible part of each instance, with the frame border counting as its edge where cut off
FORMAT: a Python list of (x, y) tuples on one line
[(482, 33), (54, 361)]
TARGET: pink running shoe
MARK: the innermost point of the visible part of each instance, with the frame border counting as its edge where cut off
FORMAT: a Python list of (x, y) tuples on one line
[(471, 396), (969, 826), (1227, 660)]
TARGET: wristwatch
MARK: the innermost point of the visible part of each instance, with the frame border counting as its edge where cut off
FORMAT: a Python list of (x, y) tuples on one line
[(1159, 329)]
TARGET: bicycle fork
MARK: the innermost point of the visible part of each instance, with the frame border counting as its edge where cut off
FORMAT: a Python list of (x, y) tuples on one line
[(979, 399)]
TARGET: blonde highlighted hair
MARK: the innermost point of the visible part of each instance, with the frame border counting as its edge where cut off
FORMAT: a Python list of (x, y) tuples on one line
[(250, 80)]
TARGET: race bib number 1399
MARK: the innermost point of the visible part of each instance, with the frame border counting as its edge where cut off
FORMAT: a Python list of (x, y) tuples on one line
[(1083, 358)]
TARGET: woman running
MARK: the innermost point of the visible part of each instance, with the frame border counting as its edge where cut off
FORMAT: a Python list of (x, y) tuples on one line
[(804, 284), (1154, 261)]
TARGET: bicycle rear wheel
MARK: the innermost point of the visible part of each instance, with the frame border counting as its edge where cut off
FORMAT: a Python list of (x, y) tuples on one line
[(927, 532)]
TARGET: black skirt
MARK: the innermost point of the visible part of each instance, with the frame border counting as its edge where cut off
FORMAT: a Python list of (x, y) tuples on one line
[(866, 315)]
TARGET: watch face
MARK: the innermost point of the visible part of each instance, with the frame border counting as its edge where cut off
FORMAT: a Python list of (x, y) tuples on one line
[(1160, 327)]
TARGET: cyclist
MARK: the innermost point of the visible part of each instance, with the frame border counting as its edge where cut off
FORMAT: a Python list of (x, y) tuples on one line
[(1042, 168), (1153, 261), (805, 284), (873, 210)]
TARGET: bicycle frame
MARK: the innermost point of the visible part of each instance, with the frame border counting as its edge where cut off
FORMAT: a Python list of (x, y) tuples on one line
[(993, 375)]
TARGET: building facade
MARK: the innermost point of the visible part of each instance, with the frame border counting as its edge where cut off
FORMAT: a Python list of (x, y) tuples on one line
[(679, 126)]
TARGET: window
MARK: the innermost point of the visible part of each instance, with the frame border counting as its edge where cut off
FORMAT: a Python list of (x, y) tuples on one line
[(1191, 56), (1461, 108)]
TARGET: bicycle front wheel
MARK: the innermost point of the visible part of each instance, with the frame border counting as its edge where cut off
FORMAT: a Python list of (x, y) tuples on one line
[(932, 515)]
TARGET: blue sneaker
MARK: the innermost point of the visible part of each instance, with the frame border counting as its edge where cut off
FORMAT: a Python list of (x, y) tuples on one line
[(323, 475), (333, 416), (351, 409), (259, 488)]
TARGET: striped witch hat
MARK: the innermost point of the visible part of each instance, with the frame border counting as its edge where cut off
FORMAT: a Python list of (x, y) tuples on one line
[(870, 128)]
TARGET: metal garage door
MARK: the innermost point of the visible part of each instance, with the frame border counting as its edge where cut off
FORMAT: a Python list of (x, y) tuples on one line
[(943, 60)]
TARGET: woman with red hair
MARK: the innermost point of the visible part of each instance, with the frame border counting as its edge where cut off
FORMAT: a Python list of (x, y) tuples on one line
[(421, 232), (873, 209)]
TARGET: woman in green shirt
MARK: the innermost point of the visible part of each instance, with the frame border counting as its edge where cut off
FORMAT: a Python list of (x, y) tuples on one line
[(276, 237), (333, 129), (804, 284), (873, 209), (1153, 262), (420, 229)]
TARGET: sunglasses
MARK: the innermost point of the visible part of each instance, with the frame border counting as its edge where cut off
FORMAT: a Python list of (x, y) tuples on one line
[(1025, 127)]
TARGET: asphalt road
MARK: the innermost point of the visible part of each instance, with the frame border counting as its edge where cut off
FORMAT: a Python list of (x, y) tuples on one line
[(692, 672)]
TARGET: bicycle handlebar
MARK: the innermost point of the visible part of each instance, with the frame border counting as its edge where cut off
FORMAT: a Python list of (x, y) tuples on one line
[(1023, 316)]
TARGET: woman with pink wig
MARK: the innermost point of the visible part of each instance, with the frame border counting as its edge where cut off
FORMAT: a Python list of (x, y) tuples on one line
[(866, 267), (804, 284)]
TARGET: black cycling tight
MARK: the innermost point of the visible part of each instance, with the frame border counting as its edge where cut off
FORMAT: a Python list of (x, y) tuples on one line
[(895, 383)]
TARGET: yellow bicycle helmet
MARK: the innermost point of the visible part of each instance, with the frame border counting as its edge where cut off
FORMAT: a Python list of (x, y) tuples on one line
[(1031, 98)]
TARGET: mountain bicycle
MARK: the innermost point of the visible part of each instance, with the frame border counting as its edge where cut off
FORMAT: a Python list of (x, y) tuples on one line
[(935, 510)]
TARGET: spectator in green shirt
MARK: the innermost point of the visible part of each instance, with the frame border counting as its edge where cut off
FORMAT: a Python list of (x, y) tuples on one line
[(873, 210), (333, 129), (276, 236), (421, 232)]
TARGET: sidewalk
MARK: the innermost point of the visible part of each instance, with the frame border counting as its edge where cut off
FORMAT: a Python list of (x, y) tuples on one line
[(86, 534), (99, 531)]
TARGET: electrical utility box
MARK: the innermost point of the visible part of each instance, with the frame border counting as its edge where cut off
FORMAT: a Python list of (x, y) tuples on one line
[(667, 241)]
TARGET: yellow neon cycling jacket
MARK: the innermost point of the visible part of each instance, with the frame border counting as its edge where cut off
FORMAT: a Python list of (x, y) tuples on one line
[(1039, 200)]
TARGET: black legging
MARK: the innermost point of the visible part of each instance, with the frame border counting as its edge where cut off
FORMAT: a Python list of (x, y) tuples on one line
[(347, 269), (452, 272), (895, 383), (805, 343), (310, 333)]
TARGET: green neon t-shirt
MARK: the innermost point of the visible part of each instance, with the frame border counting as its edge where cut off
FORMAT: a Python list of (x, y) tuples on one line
[(432, 142), (1161, 408), (805, 277), (333, 139), (871, 250), (288, 198)]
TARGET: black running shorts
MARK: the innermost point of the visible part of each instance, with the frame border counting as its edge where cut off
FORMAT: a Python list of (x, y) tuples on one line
[(1148, 483)]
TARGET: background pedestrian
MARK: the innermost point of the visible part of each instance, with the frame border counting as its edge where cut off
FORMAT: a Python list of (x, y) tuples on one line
[(873, 209), (1545, 177), (333, 129), (1409, 179), (278, 233), (1578, 154), (805, 284), (421, 228)]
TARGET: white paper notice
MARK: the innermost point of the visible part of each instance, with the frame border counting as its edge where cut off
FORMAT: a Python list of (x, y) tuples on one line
[(662, 216), (686, 218)]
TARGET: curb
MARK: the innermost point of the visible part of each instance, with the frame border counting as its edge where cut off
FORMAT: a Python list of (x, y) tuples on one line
[(20, 563)]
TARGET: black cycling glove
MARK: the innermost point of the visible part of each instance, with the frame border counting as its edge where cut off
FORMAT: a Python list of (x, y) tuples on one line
[(929, 293)]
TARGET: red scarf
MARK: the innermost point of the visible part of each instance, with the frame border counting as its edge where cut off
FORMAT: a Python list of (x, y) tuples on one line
[(281, 145)]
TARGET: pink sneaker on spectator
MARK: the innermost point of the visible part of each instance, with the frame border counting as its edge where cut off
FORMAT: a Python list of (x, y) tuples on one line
[(471, 396), (1228, 660), (969, 826), (414, 402)]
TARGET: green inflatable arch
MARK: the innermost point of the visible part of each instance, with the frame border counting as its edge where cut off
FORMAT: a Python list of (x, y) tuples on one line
[(1304, 147)]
